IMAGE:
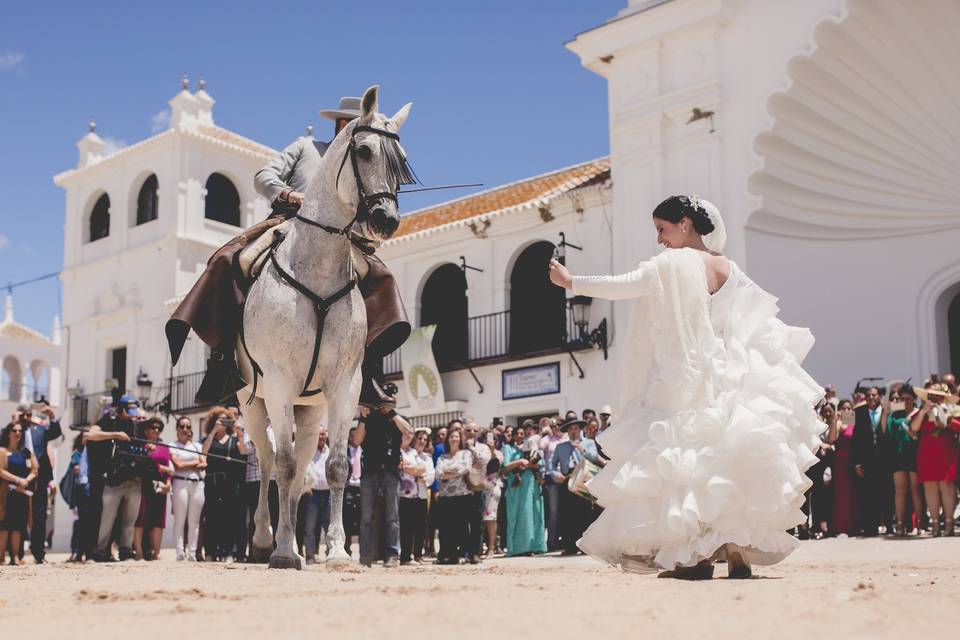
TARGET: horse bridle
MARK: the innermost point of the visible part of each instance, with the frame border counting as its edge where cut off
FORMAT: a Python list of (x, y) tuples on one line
[(364, 201)]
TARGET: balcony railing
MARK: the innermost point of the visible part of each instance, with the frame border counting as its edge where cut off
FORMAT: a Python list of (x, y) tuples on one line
[(86, 409), (183, 388), (488, 342)]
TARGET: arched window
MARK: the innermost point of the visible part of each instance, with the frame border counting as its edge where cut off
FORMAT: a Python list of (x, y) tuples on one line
[(537, 307), (222, 201), (11, 380), (38, 381), (100, 218), (444, 303), (147, 200)]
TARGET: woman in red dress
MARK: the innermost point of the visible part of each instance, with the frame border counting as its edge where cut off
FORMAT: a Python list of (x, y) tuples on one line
[(840, 436), (937, 453)]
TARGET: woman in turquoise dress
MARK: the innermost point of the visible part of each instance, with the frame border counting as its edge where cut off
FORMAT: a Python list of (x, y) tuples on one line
[(525, 528)]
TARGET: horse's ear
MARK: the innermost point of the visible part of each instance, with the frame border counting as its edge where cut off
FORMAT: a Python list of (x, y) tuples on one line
[(401, 116), (370, 102)]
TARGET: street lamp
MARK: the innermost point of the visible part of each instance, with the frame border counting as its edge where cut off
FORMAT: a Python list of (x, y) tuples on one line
[(580, 308), (144, 385)]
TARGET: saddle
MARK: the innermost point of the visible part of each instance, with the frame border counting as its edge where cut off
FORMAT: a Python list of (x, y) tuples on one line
[(251, 259)]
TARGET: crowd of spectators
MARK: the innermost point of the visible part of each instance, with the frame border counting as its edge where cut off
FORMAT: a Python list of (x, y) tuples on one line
[(887, 464)]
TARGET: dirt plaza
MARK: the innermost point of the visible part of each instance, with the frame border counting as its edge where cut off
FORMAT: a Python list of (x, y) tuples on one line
[(832, 588)]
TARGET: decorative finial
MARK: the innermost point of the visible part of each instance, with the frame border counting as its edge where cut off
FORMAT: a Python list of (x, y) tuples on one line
[(91, 125), (309, 129), (202, 83), (184, 81)]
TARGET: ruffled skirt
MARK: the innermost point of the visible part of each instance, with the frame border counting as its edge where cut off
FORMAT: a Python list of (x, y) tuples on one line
[(680, 486)]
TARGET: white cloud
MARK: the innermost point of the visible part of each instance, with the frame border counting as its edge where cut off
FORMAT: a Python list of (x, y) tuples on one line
[(112, 145), (4, 241), (160, 121), (10, 61)]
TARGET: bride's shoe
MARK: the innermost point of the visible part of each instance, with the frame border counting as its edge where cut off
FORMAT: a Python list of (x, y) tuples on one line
[(703, 570), (737, 566)]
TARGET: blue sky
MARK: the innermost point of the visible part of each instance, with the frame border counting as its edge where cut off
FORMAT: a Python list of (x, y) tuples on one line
[(496, 96)]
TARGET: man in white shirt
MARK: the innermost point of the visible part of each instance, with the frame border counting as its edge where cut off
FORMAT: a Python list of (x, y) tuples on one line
[(315, 504)]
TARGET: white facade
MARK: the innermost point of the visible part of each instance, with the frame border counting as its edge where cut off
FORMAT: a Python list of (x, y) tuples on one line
[(31, 364), (119, 290), (584, 215), (833, 152)]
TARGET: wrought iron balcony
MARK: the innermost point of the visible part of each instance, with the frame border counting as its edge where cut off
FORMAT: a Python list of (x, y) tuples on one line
[(489, 341), (86, 410), (183, 388)]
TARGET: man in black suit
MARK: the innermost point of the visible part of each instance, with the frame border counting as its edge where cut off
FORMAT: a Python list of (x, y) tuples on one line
[(867, 460), (42, 430)]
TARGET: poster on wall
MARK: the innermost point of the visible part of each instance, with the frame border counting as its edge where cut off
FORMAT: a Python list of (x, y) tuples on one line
[(420, 371), (527, 382)]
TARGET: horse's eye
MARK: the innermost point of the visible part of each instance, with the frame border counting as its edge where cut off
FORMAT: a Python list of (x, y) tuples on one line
[(364, 152)]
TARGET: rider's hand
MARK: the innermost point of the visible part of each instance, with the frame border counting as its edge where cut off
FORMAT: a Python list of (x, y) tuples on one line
[(560, 275), (120, 435), (295, 197)]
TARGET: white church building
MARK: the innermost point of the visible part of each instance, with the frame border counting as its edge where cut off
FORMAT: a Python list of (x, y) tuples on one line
[(824, 130)]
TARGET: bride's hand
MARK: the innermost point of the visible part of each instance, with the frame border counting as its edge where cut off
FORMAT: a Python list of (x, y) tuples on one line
[(559, 275)]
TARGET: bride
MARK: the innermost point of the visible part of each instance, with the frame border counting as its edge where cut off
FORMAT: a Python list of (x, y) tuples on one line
[(716, 423)]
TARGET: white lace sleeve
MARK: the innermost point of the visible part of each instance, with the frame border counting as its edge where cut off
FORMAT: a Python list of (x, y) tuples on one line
[(634, 284)]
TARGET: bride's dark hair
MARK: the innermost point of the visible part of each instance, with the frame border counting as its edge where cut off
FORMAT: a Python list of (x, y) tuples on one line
[(675, 208)]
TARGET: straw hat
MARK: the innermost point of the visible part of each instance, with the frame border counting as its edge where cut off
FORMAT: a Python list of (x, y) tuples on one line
[(936, 393)]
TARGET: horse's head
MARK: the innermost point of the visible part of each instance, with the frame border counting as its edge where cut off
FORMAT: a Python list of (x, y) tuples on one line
[(379, 166)]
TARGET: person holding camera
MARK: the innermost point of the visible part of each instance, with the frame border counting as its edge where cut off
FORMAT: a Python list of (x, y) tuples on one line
[(223, 516), (114, 485), (18, 470), (902, 443), (381, 432), (937, 425)]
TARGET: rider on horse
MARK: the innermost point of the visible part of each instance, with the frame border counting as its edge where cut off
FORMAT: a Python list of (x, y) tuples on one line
[(212, 308)]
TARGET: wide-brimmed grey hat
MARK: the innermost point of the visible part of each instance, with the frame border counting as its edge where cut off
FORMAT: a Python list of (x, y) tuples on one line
[(349, 108), (576, 422)]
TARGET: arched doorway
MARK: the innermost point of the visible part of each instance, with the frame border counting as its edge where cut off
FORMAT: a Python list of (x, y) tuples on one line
[(537, 306), (444, 303), (953, 332)]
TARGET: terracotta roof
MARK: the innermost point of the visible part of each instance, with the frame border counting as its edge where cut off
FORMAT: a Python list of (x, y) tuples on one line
[(523, 194)]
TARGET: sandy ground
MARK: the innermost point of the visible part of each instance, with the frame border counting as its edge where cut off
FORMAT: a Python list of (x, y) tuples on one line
[(828, 589)]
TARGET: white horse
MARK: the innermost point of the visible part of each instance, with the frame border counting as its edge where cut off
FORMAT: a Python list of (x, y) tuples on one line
[(309, 283)]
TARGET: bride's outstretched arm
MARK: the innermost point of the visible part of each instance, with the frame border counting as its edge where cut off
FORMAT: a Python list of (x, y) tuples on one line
[(634, 284)]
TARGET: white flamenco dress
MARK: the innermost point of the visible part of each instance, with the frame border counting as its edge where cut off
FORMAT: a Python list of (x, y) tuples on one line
[(715, 426)]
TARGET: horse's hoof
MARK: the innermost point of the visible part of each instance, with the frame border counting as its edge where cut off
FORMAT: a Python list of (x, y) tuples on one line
[(286, 562), (261, 555), (338, 560)]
